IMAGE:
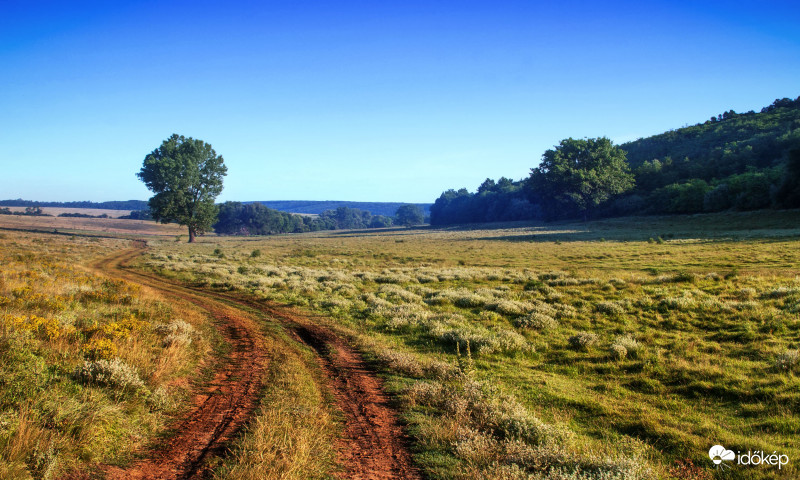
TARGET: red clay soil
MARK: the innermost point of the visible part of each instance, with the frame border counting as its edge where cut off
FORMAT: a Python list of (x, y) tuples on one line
[(221, 406), (373, 446)]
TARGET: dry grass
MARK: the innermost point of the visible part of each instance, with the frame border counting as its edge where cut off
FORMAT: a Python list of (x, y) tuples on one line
[(707, 320), (80, 358), (96, 225), (56, 211), (292, 435)]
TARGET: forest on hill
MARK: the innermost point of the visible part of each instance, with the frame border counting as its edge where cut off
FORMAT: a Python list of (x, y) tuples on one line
[(733, 161)]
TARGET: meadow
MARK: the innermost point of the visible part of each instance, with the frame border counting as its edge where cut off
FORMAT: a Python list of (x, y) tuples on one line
[(91, 369), (56, 211), (623, 348), (90, 226)]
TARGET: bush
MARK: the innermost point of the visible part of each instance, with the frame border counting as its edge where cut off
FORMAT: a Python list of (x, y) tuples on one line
[(788, 360), (631, 346), (612, 309), (177, 333), (583, 340), (618, 352), (537, 321), (510, 307), (109, 373)]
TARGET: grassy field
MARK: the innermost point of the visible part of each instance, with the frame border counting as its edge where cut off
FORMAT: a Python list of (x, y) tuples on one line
[(94, 371), (91, 369), (97, 226), (613, 349), (56, 211)]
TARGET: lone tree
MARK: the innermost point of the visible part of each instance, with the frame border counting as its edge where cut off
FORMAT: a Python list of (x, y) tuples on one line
[(408, 215), (579, 175), (186, 176)]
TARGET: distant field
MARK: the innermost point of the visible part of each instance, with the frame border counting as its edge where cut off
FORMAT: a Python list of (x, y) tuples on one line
[(56, 211), (96, 225), (623, 348)]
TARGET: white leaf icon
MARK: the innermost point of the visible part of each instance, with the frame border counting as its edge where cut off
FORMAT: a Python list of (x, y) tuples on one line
[(718, 453)]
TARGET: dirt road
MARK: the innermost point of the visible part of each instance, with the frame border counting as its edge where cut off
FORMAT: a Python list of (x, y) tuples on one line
[(373, 446)]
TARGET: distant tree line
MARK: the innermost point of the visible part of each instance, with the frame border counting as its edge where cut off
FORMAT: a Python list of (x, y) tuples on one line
[(82, 215), (730, 162), (387, 209), (236, 218), (29, 211), (113, 205), (138, 215), (503, 200)]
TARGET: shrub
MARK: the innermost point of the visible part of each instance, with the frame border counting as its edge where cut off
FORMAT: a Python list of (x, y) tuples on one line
[(109, 373), (175, 326), (99, 348), (176, 339), (160, 400), (475, 447), (397, 294), (631, 346), (510, 307), (176, 333), (781, 292), (677, 303), (508, 341), (425, 393), (583, 340), (537, 321), (617, 351), (470, 301), (565, 311), (405, 363), (612, 309), (746, 293), (389, 277), (478, 343), (788, 360)]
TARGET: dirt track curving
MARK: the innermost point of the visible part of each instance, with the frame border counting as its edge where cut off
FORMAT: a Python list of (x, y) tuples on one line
[(373, 445), (222, 406)]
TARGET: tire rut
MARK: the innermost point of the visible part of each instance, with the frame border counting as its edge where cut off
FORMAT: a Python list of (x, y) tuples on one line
[(374, 445), (221, 407)]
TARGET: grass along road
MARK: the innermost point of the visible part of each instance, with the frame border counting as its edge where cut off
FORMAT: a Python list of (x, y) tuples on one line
[(372, 446), (614, 348), (223, 405)]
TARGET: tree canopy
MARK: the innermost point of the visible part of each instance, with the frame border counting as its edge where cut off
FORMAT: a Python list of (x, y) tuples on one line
[(408, 215), (185, 175), (579, 175)]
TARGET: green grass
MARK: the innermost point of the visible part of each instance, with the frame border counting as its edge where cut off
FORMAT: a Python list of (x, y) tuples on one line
[(85, 374), (708, 318)]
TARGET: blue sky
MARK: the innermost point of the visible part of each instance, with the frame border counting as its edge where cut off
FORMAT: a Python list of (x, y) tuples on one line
[(364, 101)]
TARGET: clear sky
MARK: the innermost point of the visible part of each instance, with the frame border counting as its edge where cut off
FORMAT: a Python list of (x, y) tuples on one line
[(382, 100)]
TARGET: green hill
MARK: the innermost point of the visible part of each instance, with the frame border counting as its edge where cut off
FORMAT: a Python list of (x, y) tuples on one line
[(733, 161), (726, 145)]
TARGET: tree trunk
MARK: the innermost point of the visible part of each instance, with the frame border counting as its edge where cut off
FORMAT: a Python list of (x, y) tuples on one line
[(192, 234)]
